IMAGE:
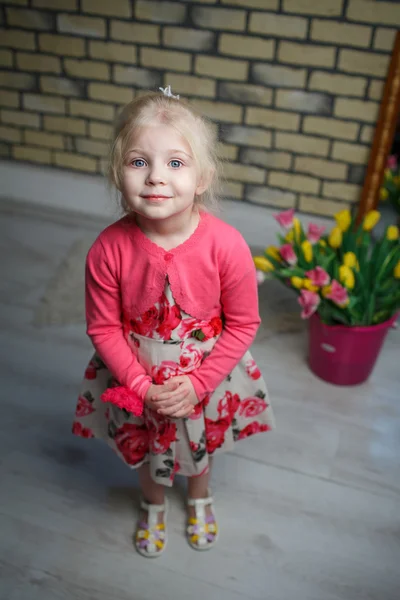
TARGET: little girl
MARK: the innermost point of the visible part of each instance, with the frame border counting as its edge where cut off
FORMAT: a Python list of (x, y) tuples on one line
[(171, 309)]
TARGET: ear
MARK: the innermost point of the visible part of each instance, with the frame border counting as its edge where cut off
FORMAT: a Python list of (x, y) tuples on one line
[(204, 182)]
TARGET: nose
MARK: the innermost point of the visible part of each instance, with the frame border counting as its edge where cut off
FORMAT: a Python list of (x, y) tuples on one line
[(155, 175)]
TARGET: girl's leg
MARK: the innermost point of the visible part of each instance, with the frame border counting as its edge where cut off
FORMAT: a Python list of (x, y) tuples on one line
[(152, 492), (198, 488)]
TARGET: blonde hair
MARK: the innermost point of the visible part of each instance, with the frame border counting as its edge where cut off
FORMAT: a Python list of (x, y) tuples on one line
[(154, 107)]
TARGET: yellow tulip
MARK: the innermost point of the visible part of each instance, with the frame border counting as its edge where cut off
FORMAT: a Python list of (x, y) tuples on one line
[(308, 285), (346, 276), (371, 219), (274, 252), (388, 174), (335, 237), (396, 181), (306, 246), (322, 243), (350, 260), (297, 282), (289, 237), (297, 228), (343, 220), (396, 271), (326, 290), (263, 264), (392, 233), (384, 194)]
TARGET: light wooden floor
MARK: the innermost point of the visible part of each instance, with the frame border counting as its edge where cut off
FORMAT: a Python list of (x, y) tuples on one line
[(309, 512)]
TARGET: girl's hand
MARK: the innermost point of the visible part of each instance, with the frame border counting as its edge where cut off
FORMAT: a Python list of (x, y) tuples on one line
[(182, 407), (177, 402)]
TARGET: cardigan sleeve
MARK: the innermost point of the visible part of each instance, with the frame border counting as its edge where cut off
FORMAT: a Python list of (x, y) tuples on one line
[(104, 323), (239, 301)]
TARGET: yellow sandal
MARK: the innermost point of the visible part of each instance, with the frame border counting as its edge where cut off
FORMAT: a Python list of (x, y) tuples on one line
[(202, 530)]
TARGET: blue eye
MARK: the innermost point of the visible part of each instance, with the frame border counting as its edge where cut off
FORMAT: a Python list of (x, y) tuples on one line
[(138, 162), (175, 164)]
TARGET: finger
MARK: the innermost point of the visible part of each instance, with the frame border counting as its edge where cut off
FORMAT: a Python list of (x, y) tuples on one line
[(173, 396), (172, 411)]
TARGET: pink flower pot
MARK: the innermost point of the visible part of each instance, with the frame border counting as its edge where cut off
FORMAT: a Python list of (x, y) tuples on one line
[(344, 355)]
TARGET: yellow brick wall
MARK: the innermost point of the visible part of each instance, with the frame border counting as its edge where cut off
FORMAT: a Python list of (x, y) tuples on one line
[(293, 85)]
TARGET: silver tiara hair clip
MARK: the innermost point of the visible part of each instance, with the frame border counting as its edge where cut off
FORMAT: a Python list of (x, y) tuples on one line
[(167, 92)]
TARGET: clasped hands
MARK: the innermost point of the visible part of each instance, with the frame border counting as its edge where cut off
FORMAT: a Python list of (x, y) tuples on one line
[(176, 398)]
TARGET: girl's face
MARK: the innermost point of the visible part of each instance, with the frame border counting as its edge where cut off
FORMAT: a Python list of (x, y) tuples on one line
[(160, 177)]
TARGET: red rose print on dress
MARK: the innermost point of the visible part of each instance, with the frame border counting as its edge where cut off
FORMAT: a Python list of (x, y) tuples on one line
[(146, 323), (133, 442), (187, 326), (190, 358), (215, 433), (91, 370), (252, 370), (84, 407), (198, 411), (251, 407), (161, 435), (228, 406), (167, 369), (169, 318), (253, 428), (78, 429)]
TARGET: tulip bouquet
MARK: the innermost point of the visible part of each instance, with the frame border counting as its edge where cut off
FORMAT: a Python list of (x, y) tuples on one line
[(343, 275), (390, 189)]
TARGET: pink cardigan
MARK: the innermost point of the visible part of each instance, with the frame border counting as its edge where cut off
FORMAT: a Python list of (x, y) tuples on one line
[(210, 274)]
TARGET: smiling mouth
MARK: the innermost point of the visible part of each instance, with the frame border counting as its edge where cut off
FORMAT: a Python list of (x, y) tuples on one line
[(156, 197)]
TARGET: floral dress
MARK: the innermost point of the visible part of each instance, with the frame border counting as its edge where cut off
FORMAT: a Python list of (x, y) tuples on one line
[(169, 342)]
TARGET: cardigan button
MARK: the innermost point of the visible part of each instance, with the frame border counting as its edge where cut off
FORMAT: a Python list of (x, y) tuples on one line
[(168, 256)]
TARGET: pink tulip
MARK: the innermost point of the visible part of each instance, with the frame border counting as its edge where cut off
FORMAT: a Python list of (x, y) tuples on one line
[(288, 254), (338, 294), (314, 233), (309, 301), (318, 276), (391, 162), (285, 218)]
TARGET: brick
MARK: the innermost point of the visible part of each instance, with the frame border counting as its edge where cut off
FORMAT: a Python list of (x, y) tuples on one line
[(227, 151), (266, 159), (135, 32), (56, 4), (6, 58), (219, 18), (15, 38), (304, 101), (232, 189), (224, 68), (302, 144), (165, 59), (24, 119), (246, 136), (110, 93), (38, 62), (19, 81), (160, 12), (246, 46), (278, 25), (327, 8), (275, 76), (134, 76), (306, 54), (190, 85), (270, 196), (77, 162), (356, 109), (333, 128), (326, 169), (60, 86), (368, 11), (384, 38), (93, 110), (316, 206), (95, 148), (87, 69), (337, 84), (79, 25), (264, 4), (65, 125), (100, 131), (366, 63), (116, 8), (375, 89), (341, 191), (367, 134), (341, 33), (10, 99), (39, 138), (295, 183), (113, 52), (352, 153), (357, 174), (239, 172), (42, 103), (10, 134), (61, 44), (220, 111), (245, 93), (36, 155), (190, 39), (272, 119), (29, 19)]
